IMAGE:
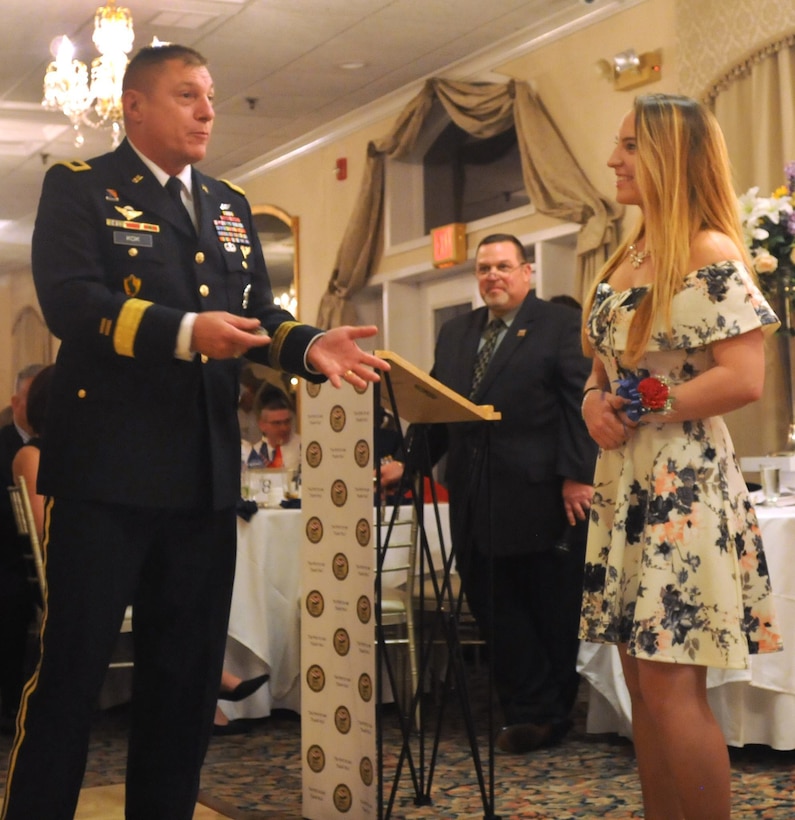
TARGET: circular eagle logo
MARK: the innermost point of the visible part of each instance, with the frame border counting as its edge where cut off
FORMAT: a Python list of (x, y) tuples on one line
[(361, 453), (342, 641), (315, 603), (316, 758), (314, 530), (314, 454), (337, 418), (342, 720), (364, 609), (339, 566), (339, 493), (363, 530), (315, 677), (343, 799), (365, 687)]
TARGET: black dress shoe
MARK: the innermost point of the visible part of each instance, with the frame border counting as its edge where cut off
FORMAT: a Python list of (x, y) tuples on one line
[(234, 727), (520, 738), (243, 689)]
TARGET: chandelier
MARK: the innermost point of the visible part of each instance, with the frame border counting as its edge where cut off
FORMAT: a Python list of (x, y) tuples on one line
[(94, 102)]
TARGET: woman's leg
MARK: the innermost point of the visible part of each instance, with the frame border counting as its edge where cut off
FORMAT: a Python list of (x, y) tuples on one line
[(657, 784), (676, 718)]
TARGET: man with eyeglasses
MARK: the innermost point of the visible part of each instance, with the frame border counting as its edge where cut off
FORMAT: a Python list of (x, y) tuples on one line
[(529, 499), (280, 446)]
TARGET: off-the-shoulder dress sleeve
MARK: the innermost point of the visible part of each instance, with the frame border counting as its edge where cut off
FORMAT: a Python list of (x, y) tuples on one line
[(718, 301)]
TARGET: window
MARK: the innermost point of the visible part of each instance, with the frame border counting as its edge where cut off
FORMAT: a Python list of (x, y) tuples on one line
[(466, 178)]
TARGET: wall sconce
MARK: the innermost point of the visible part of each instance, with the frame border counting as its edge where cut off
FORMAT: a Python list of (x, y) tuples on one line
[(628, 69)]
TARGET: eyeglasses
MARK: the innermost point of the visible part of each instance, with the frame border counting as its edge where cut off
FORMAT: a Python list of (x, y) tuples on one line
[(503, 269)]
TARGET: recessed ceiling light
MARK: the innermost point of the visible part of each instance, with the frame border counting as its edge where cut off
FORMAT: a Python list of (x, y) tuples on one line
[(353, 65)]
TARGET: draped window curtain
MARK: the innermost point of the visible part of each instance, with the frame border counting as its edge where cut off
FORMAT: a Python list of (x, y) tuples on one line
[(754, 103), (555, 182)]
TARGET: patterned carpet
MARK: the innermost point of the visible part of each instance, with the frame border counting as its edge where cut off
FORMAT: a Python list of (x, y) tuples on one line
[(258, 775)]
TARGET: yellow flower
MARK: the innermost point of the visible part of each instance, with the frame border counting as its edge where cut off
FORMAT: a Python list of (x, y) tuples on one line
[(765, 262), (782, 190)]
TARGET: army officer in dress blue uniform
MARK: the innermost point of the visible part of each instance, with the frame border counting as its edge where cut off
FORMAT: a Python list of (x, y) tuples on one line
[(153, 297)]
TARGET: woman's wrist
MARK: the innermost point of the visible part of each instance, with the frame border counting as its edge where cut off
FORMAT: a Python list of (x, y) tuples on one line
[(585, 393)]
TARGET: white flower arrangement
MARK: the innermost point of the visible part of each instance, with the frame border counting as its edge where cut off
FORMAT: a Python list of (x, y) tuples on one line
[(769, 229)]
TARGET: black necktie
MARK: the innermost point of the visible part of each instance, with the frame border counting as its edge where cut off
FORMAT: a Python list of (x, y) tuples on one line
[(484, 354), (174, 187)]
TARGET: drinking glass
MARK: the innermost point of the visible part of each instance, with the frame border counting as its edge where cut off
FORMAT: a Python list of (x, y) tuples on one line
[(771, 484)]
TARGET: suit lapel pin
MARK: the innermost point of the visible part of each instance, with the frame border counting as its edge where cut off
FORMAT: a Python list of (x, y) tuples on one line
[(520, 334)]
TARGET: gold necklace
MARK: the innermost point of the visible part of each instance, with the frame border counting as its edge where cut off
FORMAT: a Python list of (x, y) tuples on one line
[(636, 257)]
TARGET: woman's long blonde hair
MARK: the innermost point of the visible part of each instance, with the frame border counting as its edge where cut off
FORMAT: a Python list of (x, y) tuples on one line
[(683, 174)]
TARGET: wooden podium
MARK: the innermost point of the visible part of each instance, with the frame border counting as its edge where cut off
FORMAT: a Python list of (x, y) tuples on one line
[(417, 398)]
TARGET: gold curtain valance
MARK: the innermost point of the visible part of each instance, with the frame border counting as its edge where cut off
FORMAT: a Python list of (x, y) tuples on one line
[(743, 67), (555, 182)]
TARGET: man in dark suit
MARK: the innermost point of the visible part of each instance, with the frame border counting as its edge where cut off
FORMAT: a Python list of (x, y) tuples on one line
[(151, 275), (523, 356), (16, 598)]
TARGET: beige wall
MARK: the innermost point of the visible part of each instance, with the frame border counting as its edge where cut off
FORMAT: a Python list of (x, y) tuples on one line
[(584, 105), (16, 294), (309, 189), (713, 35)]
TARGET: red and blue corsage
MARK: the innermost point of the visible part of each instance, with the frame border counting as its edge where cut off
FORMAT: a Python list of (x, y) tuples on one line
[(646, 394)]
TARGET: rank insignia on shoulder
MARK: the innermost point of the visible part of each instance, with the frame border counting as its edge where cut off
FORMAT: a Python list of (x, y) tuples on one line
[(74, 164), (234, 187)]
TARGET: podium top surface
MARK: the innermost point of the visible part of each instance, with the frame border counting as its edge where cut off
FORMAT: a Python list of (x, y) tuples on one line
[(421, 399)]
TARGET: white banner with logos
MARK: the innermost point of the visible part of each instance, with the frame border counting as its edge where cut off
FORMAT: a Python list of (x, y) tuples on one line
[(338, 743)]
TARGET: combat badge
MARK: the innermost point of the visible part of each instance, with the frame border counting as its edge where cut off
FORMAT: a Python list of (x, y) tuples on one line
[(132, 285)]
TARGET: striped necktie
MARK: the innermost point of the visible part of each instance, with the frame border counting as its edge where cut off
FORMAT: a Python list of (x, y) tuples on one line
[(485, 353)]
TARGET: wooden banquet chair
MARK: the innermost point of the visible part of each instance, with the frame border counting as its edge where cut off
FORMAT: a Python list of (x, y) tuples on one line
[(34, 559), (398, 539)]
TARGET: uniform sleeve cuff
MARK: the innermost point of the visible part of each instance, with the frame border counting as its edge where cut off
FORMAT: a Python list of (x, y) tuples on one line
[(184, 337)]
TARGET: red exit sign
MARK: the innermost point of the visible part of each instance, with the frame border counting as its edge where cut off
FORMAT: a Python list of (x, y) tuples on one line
[(449, 245)]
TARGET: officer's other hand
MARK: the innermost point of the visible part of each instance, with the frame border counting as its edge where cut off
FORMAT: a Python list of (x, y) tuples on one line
[(221, 335)]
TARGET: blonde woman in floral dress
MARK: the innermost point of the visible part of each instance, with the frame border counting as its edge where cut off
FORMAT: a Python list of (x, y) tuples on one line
[(675, 572)]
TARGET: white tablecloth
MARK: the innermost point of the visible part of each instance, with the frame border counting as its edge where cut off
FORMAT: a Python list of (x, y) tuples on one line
[(264, 621), (754, 705)]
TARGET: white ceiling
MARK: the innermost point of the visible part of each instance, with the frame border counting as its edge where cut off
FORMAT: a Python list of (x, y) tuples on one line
[(285, 54)]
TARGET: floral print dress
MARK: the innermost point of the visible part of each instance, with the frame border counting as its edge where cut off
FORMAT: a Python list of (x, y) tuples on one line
[(675, 566)]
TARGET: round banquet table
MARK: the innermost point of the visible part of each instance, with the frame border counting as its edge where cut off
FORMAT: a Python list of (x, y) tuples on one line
[(264, 632)]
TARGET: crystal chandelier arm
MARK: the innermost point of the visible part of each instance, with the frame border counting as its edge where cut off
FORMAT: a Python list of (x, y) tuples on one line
[(93, 101)]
